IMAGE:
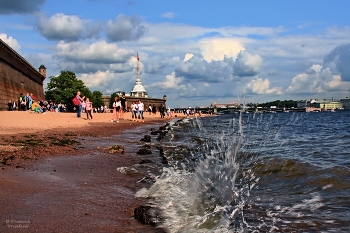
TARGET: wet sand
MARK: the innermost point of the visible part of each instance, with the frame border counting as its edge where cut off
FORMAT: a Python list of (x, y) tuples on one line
[(67, 187)]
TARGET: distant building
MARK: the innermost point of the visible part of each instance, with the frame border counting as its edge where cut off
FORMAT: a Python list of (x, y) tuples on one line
[(305, 103), (18, 76), (230, 105), (328, 105), (346, 103), (138, 93)]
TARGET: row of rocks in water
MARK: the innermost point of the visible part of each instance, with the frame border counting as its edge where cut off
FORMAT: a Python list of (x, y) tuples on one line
[(147, 214)]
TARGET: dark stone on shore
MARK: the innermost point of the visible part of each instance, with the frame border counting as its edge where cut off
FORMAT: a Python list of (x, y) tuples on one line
[(161, 135), (144, 151), (164, 159), (154, 132), (146, 138), (141, 214), (143, 161), (148, 215)]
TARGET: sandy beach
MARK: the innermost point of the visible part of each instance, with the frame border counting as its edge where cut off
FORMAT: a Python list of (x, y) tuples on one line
[(54, 180)]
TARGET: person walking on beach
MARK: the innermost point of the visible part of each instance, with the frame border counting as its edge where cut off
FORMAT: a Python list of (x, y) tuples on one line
[(133, 110), (154, 110), (116, 110), (88, 108), (140, 107), (162, 111), (123, 106), (149, 109), (78, 106)]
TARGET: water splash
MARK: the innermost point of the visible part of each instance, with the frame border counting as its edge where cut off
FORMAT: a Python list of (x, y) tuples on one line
[(248, 173), (210, 195)]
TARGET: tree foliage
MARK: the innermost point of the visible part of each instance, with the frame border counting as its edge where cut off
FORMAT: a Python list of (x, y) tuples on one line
[(111, 101), (280, 104), (63, 88), (97, 100)]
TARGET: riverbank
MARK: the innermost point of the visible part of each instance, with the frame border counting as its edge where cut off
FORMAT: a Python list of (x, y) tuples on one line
[(55, 179)]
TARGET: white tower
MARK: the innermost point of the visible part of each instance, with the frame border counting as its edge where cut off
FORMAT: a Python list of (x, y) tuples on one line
[(138, 90)]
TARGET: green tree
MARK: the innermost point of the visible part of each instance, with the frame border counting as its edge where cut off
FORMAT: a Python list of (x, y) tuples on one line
[(97, 99), (111, 101), (63, 88)]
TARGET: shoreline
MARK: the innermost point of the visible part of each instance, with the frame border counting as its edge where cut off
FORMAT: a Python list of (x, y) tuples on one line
[(45, 175)]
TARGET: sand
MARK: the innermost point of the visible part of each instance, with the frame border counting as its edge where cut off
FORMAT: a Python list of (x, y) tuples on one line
[(48, 184)]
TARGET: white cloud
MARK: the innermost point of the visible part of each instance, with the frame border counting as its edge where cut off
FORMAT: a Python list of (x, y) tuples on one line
[(337, 85), (340, 56), (261, 86), (218, 48), (188, 56), (316, 80), (125, 28), (13, 43), (171, 83), (169, 15), (65, 27), (247, 64), (98, 52), (196, 69)]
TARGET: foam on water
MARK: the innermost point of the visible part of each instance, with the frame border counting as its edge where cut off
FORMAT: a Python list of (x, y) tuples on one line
[(246, 175)]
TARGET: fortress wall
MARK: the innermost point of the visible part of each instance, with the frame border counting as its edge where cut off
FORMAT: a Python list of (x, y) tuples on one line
[(17, 76)]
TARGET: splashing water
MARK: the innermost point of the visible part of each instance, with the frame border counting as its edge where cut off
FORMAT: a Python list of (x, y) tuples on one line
[(205, 196), (245, 174)]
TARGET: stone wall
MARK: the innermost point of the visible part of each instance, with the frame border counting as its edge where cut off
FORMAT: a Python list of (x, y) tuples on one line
[(17, 76)]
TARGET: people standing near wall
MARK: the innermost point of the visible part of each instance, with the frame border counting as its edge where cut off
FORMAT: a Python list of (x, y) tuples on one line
[(32, 96), (88, 108), (10, 105), (123, 106), (21, 103), (79, 105), (29, 101), (140, 108), (14, 106), (162, 111)]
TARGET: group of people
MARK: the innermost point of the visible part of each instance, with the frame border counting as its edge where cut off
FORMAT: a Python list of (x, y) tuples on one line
[(28, 102), (78, 104), (119, 108)]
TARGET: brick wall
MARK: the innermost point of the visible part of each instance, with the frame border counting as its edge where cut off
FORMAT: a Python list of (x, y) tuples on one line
[(17, 76)]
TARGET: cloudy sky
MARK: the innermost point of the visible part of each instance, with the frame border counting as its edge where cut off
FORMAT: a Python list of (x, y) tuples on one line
[(195, 52)]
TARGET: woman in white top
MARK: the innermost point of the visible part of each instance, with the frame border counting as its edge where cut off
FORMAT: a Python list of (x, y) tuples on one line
[(140, 110), (116, 110), (133, 110)]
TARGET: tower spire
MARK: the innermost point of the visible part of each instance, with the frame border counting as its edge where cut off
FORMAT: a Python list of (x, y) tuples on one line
[(138, 89)]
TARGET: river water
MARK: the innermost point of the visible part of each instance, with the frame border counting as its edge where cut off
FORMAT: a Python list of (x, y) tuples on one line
[(256, 172)]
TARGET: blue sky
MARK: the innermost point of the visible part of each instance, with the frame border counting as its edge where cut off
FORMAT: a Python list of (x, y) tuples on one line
[(195, 52)]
